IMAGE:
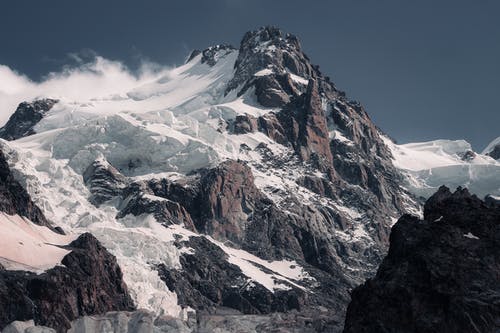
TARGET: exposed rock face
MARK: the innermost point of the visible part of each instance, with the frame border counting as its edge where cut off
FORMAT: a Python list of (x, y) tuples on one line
[(441, 273), (228, 195), (225, 203), (276, 322), (103, 181), (269, 49), (211, 54), (164, 210), (90, 282), (23, 121), (15, 200), (305, 126), (468, 155), (244, 124)]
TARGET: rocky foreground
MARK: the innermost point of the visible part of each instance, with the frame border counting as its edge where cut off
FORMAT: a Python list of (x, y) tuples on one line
[(442, 273)]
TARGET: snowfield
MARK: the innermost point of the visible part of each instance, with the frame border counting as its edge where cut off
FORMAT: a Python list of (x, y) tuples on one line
[(428, 165)]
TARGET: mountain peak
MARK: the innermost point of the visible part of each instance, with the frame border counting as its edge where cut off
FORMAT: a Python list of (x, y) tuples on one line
[(269, 35), (270, 52)]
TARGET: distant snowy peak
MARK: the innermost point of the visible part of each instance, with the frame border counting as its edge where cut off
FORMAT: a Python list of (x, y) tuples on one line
[(428, 165), (493, 149)]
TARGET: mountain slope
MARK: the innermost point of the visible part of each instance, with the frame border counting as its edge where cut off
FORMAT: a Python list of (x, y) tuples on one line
[(242, 179), (46, 276)]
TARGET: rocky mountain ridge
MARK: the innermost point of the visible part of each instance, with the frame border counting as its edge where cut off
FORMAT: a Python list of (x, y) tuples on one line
[(24, 119)]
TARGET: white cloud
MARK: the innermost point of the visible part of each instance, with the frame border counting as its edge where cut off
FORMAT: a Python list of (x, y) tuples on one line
[(95, 79)]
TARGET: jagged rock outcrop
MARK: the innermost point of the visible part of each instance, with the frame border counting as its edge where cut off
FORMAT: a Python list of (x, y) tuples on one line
[(244, 124), (89, 282), (305, 125), (104, 181), (227, 197), (268, 49), (164, 210), (15, 200), (441, 273), (224, 203), (211, 55), (24, 119), (468, 155)]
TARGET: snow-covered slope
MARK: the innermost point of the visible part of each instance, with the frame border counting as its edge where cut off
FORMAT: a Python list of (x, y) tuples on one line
[(166, 127), (27, 246), (428, 165)]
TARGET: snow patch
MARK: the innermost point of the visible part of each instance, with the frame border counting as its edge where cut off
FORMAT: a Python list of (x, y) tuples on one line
[(299, 79), (470, 235), (284, 272), (264, 72)]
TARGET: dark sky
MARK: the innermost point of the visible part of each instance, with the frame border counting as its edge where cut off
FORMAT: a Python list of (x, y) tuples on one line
[(424, 69)]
